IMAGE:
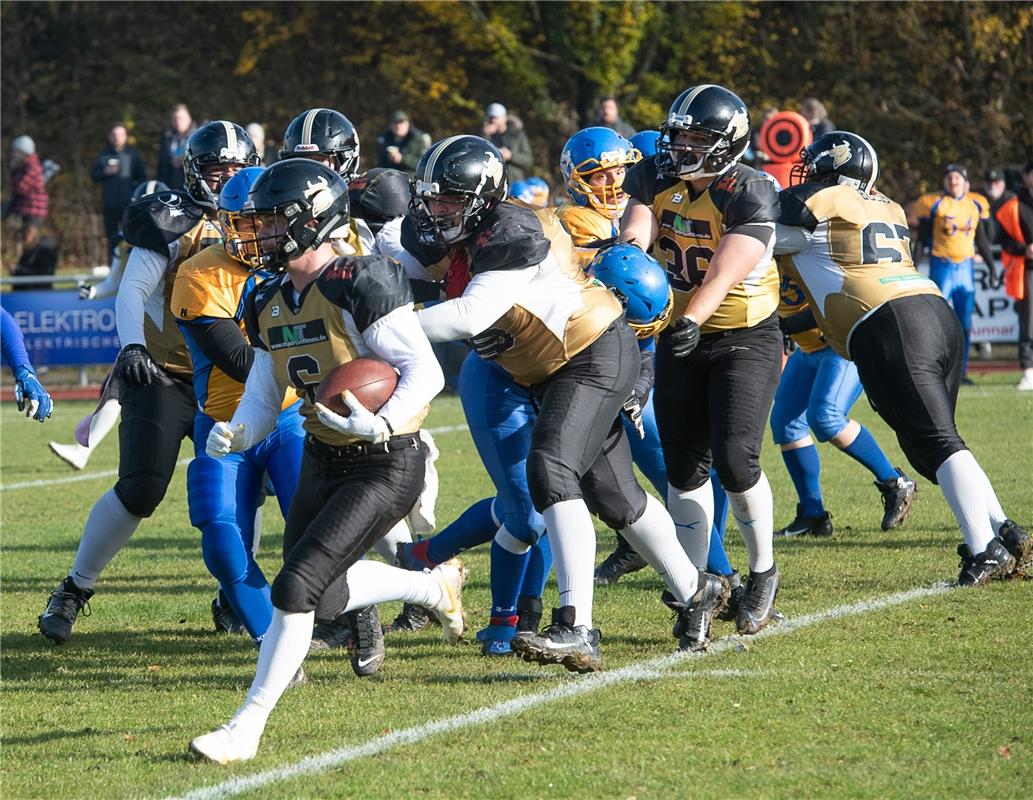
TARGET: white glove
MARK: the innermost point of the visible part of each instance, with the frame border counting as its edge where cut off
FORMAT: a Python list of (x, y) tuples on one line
[(87, 291), (362, 423), (633, 411), (421, 516), (223, 440)]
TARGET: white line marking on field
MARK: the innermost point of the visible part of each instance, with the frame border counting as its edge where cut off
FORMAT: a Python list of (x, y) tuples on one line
[(110, 473), (658, 667)]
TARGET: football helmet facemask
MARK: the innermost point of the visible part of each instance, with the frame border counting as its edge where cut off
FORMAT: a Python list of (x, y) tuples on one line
[(838, 157), (588, 152), (299, 203), (238, 228), (458, 181), (718, 124), (324, 132), (214, 144)]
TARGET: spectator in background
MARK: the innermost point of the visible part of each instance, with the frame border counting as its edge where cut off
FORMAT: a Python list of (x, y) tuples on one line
[(814, 110), (402, 144), (28, 192), (267, 155), (609, 116), (119, 170), (507, 133), (173, 142), (1014, 215), (29, 393), (996, 191)]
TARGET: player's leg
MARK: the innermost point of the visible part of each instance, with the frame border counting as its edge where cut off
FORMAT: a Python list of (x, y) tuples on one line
[(745, 372), (908, 354), (92, 429), (155, 420), (964, 300)]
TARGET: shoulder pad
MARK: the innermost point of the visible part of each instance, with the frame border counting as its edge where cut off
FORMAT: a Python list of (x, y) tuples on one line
[(793, 208), (159, 219), (510, 238), (368, 287), (641, 179)]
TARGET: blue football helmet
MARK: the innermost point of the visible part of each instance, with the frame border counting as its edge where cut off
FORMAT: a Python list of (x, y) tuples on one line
[(589, 151), (640, 283), (239, 239), (533, 191), (645, 142)]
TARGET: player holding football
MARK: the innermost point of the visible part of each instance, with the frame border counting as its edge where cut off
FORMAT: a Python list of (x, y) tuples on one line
[(360, 474), (156, 394), (851, 254)]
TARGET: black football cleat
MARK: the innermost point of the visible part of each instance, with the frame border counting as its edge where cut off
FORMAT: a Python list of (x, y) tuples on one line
[(622, 561), (331, 634), (410, 619), (898, 495), (736, 590), (529, 616), (807, 526), (65, 603), (994, 563), (367, 637), (224, 617), (1020, 545), (756, 609), (692, 621), (576, 647)]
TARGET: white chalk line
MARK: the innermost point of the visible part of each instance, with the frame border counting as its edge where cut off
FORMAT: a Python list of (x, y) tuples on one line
[(653, 669), (110, 473)]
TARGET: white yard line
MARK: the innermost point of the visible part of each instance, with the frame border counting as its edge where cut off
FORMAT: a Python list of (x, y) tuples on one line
[(110, 473), (657, 668)]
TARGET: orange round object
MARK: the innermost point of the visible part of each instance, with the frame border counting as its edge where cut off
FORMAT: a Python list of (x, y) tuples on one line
[(784, 135)]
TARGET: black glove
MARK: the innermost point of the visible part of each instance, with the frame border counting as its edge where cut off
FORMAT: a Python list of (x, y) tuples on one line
[(135, 366), (491, 343), (426, 254), (632, 409), (685, 337)]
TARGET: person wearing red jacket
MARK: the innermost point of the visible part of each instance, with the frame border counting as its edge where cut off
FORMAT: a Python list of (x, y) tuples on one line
[(28, 195)]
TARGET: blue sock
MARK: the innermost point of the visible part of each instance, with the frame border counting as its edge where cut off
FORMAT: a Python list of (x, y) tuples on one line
[(507, 575), (865, 450), (473, 527), (717, 557), (805, 470), (538, 565)]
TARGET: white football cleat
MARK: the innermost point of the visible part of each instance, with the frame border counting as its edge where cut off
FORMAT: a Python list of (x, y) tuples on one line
[(451, 576), (75, 455), (1026, 383), (232, 742)]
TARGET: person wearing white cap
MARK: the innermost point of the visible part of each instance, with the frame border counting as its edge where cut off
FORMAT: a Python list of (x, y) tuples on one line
[(507, 133), (28, 194)]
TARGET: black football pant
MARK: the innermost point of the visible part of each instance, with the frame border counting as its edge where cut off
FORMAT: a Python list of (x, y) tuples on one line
[(712, 405), (155, 420), (343, 504), (909, 356), (578, 449)]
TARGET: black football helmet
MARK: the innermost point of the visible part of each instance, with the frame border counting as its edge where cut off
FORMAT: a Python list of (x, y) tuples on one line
[(218, 142), (147, 188), (717, 114), (312, 198), (379, 196), (838, 157), (328, 133), (466, 167)]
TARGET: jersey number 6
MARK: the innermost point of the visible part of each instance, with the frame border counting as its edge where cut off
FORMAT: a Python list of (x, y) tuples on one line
[(298, 369)]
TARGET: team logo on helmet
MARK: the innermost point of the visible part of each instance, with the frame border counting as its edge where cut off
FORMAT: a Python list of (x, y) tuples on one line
[(493, 169), (319, 193), (739, 125), (840, 153)]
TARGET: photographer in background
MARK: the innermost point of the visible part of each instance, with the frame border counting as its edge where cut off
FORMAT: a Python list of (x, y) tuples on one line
[(118, 169)]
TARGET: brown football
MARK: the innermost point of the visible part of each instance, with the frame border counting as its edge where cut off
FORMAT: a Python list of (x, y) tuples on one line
[(370, 380)]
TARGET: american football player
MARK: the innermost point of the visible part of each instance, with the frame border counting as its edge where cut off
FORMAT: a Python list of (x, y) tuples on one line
[(153, 367), (710, 220), (360, 474), (851, 255)]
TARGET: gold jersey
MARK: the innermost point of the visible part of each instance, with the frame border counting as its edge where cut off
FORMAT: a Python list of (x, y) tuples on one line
[(854, 254), (213, 286), (691, 228), (954, 221), (311, 334), (792, 300), (586, 226)]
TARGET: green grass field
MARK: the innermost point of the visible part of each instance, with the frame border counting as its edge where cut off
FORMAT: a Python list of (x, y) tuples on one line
[(923, 697)]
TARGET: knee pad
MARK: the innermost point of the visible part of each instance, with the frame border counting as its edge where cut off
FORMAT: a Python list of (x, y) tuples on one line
[(522, 528), (550, 481), (224, 552), (738, 468), (511, 543), (141, 492), (617, 509), (211, 492), (292, 593), (826, 420)]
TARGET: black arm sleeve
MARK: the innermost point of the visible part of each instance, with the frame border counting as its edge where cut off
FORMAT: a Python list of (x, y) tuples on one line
[(223, 342), (983, 244), (798, 323), (424, 253), (646, 375), (425, 291)]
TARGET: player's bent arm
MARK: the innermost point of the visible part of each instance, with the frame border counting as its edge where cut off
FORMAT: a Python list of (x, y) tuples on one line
[(737, 256), (143, 274), (789, 239), (223, 343), (487, 297), (109, 286), (260, 406), (389, 243), (638, 225), (398, 339)]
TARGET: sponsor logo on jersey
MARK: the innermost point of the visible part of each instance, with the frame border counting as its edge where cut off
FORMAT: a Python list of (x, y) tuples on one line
[(683, 226), (297, 335)]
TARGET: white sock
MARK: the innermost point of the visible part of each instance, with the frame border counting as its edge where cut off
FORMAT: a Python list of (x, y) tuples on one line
[(370, 583), (572, 536), (103, 420), (283, 649), (754, 512), (107, 530), (693, 514), (387, 548), (965, 486), (654, 537)]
